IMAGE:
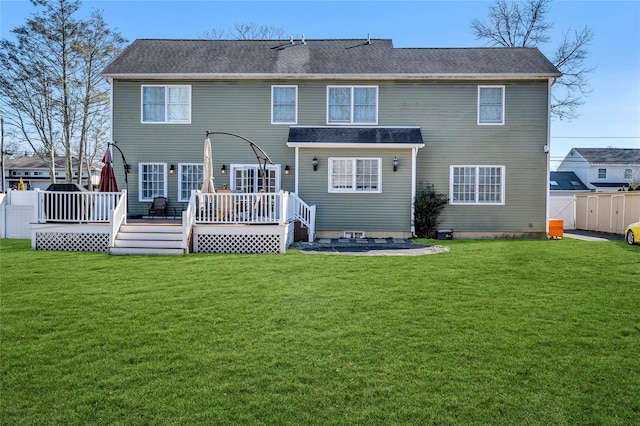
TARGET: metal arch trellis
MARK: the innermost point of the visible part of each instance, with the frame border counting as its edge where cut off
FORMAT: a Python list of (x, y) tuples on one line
[(261, 156)]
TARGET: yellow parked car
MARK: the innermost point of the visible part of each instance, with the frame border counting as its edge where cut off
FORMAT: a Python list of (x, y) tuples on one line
[(632, 233)]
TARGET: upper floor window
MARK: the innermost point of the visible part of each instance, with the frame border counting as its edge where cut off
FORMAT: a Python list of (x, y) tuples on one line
[(190, 177), (354, 175), (152, 178), (628, 173), (476, 185), (490, 104), (166, 104), (602, 173), (352, 104), (284, 104)]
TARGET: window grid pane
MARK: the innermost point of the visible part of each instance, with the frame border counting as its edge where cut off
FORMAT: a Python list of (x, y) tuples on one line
[(464, 184), (477, 185), (152, 181), (342, 174), (367, 175), (191, 177)]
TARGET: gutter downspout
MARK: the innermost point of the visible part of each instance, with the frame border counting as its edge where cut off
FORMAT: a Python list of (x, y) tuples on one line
[(414, 156), (548, 155), (296, 168)]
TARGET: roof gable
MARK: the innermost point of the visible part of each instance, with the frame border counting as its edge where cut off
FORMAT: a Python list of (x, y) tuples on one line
[(249, 58)]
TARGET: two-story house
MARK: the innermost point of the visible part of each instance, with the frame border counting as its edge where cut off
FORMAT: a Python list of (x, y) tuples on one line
[(352, 126), (35, 173), (604, 169)]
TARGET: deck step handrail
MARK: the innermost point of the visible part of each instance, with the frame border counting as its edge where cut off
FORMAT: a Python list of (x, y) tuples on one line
[(189, 220), (304, 213), (118, 217), (78, 207)]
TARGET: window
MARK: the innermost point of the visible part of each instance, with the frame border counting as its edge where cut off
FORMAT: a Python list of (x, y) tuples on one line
[(349, 105), (190, 177), (490, 104), (248, 178), (477, 185), (153, 181), (166, 104), (628, 173), (354, 175), (284, 104), (602, 173)]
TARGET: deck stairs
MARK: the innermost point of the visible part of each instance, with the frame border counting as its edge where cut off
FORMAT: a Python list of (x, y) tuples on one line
[(144, 238)]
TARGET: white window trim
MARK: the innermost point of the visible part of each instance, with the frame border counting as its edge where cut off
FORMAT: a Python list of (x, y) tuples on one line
[(503, 174), (351, 122), (501, 123), (232, 178), (598, 173), (164, 190), (166, 110), (295, 121), (333, 190), (180, 165)]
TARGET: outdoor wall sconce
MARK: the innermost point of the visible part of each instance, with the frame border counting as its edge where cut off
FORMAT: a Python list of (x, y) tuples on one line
[(223, 169), (172, 169), (314, 162), (395, 163), (287, 170)]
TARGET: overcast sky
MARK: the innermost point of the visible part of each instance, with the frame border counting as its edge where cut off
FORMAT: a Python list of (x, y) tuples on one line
[(610, 117)]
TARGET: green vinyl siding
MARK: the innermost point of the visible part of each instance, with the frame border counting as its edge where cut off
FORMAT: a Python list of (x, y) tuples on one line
[(445, 111), (389, 210)]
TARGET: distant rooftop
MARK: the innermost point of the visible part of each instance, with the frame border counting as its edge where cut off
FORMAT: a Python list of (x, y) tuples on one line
[(610, 155), (565, 181)]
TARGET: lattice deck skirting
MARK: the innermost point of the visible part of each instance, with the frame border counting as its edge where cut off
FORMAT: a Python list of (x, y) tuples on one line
[(256, 244), (68, 241)]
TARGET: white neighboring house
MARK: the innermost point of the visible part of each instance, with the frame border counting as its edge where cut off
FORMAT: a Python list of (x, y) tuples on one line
[(604, 169), (35, 173)]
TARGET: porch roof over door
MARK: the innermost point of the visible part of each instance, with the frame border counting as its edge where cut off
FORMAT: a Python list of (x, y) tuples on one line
[(355, 137)]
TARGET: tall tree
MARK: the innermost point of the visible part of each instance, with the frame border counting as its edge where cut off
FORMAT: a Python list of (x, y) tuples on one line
[(242, 31), (50, 88), (524, 24)]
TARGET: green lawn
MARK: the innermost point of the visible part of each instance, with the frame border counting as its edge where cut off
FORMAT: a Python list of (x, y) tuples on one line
[(492, 332)]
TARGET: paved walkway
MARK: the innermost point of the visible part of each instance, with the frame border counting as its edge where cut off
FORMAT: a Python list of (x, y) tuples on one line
[(592, 236), (367, 247)]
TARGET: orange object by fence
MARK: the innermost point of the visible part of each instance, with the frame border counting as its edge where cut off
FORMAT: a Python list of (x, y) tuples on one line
[(556, 228)]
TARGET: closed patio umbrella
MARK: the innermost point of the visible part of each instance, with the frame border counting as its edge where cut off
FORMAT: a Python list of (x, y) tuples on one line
[(107, 177), (207, 184)]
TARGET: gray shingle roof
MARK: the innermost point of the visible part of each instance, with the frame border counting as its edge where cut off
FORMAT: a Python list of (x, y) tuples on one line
[(566, 181), (146, 57), (346, 135), (610, 155)]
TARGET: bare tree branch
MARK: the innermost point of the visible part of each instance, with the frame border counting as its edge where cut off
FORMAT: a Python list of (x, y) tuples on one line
[(524, 24), (242, 31)]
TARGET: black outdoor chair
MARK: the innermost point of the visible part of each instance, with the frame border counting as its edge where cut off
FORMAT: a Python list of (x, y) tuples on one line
[(159, 206)]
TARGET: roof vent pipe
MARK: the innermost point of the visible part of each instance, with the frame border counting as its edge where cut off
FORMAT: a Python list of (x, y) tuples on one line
[(368, 38), (291, 41), (303, 41)]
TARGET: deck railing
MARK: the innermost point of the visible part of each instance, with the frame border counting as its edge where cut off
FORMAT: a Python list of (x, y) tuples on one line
[(242, 208), (78, 207)]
